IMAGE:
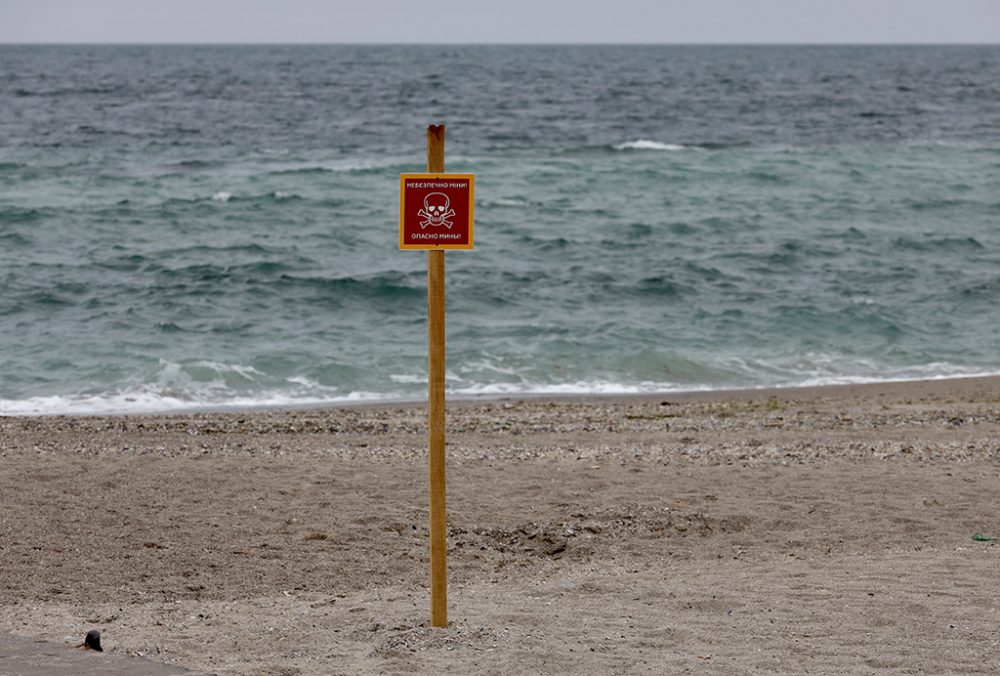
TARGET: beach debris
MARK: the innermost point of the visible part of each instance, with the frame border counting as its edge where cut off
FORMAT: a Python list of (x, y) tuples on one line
[(979, 537), (92, 641)]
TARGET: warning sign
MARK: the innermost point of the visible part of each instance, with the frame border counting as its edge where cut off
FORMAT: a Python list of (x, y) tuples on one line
[(435, 211)]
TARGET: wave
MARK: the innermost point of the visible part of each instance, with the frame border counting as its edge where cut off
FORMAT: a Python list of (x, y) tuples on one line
[(389, 286), (167, 396), (12, 239), (302, 170), (225, 196), (809, 377), (650, 145), (17, 215), (191, 386), (148, 401), (336, 167), (506, 202), (644, 144), (931, 243), (198, 164), (69, 92), (302, 393)]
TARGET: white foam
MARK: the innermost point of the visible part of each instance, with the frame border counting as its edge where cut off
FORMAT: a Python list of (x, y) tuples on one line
[(175, 390), (488, 364), (407, 379), (814, 369), (248, 372), (222, 196), (337, 166), (307, 382), (644, 144), (157, 401), (583, 388), (507, 202)]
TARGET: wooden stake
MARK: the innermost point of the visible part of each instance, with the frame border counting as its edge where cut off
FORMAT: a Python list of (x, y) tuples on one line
[(436, 403)]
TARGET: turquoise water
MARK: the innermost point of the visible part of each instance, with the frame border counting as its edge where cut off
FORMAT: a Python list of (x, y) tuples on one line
[(217, 226)]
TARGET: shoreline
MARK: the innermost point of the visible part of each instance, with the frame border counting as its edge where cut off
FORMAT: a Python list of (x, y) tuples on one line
[(785, 530), (790, 392)]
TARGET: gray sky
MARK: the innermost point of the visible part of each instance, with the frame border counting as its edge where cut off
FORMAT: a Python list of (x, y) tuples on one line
[(475, 21)]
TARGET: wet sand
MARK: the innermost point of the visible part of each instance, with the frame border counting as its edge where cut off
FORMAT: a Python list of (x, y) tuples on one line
[(824, 530)]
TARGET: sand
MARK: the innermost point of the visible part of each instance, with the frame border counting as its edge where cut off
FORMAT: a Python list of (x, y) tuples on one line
[(825, 530)]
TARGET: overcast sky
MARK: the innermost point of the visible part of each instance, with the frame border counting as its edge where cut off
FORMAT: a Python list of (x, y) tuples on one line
[(476, 21)]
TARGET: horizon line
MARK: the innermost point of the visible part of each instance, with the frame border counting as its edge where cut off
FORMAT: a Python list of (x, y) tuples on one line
[(136, 43)]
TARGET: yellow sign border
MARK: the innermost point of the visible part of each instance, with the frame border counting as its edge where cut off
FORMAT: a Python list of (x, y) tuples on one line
[(437, 247)]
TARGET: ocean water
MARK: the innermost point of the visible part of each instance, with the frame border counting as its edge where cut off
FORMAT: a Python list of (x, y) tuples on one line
[(212, 227)]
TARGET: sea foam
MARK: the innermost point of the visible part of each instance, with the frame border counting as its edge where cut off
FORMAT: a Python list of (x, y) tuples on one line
[(644, 144)]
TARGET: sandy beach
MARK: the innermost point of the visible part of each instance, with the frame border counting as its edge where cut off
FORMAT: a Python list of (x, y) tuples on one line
[(825, 530)]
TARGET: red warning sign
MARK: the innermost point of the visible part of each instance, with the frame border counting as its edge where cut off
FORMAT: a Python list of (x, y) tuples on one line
[(435, 211)]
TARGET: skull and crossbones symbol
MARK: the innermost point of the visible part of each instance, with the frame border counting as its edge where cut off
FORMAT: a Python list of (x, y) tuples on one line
[(437, 210)]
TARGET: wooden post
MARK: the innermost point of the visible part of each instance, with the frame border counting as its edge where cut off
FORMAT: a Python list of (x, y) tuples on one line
[(436, 403)]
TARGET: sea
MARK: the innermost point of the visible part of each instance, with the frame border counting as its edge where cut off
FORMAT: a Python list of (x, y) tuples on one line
[(188, 227)]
